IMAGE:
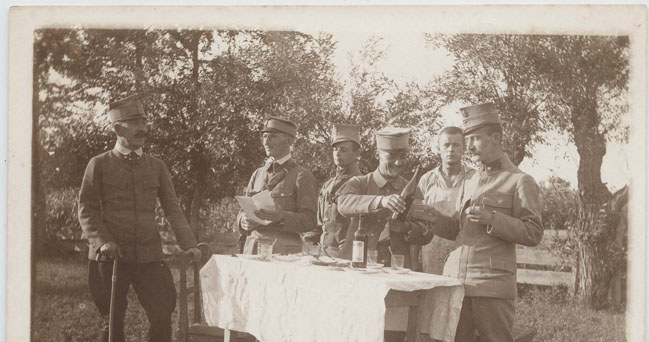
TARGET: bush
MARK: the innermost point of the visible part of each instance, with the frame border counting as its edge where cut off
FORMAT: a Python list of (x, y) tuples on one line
[(61, 218)]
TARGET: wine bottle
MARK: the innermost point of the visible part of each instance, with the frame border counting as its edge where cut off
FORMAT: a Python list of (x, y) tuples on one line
[(408, 194), (359, 246)]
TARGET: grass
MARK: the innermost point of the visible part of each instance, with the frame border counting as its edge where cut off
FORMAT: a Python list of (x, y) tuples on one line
[(64, 312), (558, 320)]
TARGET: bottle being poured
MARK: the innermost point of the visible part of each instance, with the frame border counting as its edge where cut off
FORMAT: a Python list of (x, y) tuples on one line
[(408, 195)]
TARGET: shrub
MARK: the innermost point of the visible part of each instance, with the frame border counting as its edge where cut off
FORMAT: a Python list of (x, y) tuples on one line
[(61, 219)]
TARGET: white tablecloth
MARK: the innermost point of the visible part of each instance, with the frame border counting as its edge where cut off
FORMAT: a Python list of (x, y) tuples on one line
[(280, 301)]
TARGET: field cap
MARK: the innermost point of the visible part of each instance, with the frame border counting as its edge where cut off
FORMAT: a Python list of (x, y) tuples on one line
[(479, 115), (343, 132), (127, 108), (277, 125), (393, 138)]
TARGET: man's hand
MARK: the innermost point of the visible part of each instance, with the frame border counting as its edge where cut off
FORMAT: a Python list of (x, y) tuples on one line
[(479, 215), (248, 225), (195, 254), (269, 215), (394, 202), (110, 250), (311, 237), (399, 227), (424, 212)]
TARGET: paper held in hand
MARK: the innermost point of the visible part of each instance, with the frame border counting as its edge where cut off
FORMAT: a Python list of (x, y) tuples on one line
[(262, 200)]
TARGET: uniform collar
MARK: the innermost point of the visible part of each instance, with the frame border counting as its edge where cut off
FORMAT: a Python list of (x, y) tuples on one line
[(348, 170), (501, 163), (282, 160), (125, 151), (284, 163), (396, 183)]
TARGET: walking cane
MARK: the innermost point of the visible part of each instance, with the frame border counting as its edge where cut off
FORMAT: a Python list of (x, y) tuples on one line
[(111, 314)]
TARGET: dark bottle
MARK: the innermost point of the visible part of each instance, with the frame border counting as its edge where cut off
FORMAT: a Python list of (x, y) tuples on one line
[(408, 194), (359, 246)]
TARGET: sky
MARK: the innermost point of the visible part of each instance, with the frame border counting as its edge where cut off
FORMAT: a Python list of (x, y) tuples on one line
[(408, 58)]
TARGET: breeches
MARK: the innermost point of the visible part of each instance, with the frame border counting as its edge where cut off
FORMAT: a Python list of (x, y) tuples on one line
[(153, 285), (493, 318)]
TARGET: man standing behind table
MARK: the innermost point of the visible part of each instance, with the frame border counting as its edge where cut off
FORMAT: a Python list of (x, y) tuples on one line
[(292, 187), (376, 195), (117, 203), (499, 207), (332, 227), (441, 189)]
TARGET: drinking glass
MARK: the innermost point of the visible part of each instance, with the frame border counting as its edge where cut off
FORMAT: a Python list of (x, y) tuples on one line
[(265, 250), (397, 262), (372, 257)]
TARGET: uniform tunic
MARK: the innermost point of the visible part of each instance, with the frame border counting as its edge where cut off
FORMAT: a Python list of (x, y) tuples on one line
[(438, 194), (486, 259), (331, 224), (294, 192), (362, 195), (117, 203)]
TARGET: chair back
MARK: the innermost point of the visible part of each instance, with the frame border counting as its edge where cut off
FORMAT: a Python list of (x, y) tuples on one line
[(187, 289)]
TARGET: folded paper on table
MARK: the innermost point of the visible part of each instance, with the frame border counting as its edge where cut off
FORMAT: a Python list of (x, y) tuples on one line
[(262, 200)]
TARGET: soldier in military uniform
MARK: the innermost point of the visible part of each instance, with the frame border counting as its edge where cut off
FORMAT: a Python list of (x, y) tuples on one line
[(376, 195), (117, 201), (292, 187), (498, 208), (332, 227), (440, 189)]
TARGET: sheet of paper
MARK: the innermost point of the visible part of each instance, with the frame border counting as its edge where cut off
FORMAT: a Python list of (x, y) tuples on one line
[(264, 200), (248, 205)]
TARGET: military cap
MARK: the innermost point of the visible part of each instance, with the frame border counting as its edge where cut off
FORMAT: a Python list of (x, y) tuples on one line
[(126, 109), (393, 138), (278, 125), (343, 132), (479, 115)]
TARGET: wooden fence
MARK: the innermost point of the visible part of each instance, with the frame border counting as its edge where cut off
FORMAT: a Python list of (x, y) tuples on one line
[(537, 266)]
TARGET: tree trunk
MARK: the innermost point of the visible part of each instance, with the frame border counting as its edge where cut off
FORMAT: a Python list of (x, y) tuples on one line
[(194, 215), (140, 82), (596, 262), (197, 162), (594, 233), (38, 195)]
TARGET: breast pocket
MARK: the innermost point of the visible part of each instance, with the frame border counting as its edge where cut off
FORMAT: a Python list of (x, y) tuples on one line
[(501, 204), (115, 189), (284, 198)]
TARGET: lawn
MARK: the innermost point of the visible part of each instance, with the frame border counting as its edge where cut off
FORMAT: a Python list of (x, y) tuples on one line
[(63, 310)]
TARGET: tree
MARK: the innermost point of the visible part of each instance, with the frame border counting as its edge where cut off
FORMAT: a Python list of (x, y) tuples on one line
[(206, 92), (575, 84), (497, 68), (586, 78), (376, 101)]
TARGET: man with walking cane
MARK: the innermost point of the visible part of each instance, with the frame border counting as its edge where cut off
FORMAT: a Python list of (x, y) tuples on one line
[(117, 201)]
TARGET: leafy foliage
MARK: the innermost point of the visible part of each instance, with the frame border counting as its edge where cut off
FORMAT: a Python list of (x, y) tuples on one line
[(207, 94), (577, 85)]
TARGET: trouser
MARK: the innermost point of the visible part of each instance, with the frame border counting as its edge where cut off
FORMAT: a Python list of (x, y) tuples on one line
[(153, 285), (493, 318)]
